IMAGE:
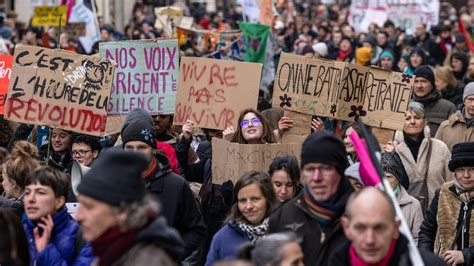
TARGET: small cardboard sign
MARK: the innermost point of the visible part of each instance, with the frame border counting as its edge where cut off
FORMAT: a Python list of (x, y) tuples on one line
[(212, 93), (343, 91), (5, 74), (59, 89), (75, 30), (232, 160), (146, 75), (49, 16)]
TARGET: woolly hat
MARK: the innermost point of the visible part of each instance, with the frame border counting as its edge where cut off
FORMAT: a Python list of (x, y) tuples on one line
[(321, 48), (387, 53), (370, 39), (425, 72), (363, 55), (391, 163), (307, 49), (468, 90), (324, 147), (139, 126), (462, 156), (353, 171), (115, 178)]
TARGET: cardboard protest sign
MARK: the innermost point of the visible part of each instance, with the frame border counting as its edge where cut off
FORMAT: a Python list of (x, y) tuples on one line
[(59, 89), (74, 30), (5, 73), (49, 16), (114, 124), (342, 91), (300, 130), (232, 160), (212, 93), (146, 75)]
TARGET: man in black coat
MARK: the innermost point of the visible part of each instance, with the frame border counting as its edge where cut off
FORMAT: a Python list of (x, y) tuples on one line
[(180, 208), (371, 226), (314, 215)]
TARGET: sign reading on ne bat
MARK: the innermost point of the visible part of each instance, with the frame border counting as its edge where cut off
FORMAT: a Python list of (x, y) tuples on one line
[(343, 91), (59, 89)]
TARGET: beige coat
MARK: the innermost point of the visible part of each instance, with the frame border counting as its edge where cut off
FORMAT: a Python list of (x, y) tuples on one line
[(454, 130), (411, 210), (438, 171)]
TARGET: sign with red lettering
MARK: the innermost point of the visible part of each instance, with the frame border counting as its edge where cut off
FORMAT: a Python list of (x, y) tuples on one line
[(5, 73), (146, 75), (60, 89), (213, 92)]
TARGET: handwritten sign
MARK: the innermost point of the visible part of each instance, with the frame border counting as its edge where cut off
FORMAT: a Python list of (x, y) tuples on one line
[(212, 93), (5, 73), (146, 75), (232, 160), (342, 91), (59, 89), (75, 30), (49, 16)]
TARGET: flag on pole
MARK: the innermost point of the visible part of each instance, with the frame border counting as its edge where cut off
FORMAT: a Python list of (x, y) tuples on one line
[(255, 41)]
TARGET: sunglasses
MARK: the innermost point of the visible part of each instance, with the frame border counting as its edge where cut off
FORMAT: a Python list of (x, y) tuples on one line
[(254, 121)]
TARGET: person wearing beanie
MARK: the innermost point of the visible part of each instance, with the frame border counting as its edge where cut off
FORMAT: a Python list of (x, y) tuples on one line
[(120, 219), (370, 41), (173, 191), (320, 50), (314, 214), (387, 60), (459, 127), (363, 56), (308, 51), (395, 173), (437, 109), (448, 227)]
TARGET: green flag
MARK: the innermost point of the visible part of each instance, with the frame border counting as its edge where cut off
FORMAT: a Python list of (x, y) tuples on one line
[(255, 39)]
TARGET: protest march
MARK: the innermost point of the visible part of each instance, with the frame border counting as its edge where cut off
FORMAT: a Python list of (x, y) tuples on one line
[(237, 133)]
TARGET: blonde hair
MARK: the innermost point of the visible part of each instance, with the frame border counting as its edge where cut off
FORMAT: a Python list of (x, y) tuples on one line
[(22, 162), (446, 74)]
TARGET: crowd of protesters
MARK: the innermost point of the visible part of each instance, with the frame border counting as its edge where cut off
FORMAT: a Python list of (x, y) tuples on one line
[(148, 198)]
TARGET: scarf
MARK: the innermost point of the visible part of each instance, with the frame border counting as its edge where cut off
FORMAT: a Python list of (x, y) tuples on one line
[(465, 195), (397, 190), (414, 144), (430, 99), (254, 232), (151, 168), (469, 122), (325, 212), (356, 261), (112, 245), (342, 55)]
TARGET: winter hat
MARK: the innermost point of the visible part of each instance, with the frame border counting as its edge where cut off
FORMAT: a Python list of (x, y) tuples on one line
[(370, 39), (115, 178), (468, 90), (307, 49), (321, 48), (353, 171), (425, 72), (324, 147), (139, 126), (363, 55), (387, 53), (462, 155), (391, 163), (460, 38)]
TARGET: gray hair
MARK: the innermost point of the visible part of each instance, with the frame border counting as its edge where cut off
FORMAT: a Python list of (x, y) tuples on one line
[(268, 249), (137, 214), (416, 108)]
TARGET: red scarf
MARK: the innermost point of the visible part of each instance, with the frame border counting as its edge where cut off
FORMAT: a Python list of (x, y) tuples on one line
[(343, 55), (356, 261), (151, 168), (112, 245)]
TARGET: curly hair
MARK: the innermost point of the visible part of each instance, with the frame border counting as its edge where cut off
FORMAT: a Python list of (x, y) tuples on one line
[(267, 134)]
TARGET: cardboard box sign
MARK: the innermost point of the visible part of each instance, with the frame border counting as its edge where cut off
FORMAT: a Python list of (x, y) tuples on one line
[(343, 91), (74, 30), (146, 75), (49, 16), (60, 89), (230, 160), (212, 93)]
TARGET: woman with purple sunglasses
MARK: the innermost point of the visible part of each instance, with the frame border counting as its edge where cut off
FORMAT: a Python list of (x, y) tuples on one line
[(252, 128)]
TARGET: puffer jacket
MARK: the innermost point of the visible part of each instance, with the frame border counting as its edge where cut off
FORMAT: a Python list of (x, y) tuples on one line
[(61, 249), (438, 171), (411, 210), (455, 130), (226, 243)]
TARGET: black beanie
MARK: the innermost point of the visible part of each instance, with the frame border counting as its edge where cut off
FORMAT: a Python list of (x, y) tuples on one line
[(115, 178), (324, 147), (425, 72), (462, 156), (391, 163), (139, 130)]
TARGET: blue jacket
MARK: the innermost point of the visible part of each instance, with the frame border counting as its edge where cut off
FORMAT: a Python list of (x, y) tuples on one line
[(225, 243), (60, 251)]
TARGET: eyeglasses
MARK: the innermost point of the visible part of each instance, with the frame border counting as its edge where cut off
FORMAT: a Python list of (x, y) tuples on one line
[(254, 121), (323, 169), (463, 170), (80, 153)]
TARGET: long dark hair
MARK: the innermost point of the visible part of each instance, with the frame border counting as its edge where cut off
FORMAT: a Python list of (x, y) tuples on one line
[(264, 182), (267, 134), (289, 164), (13, 241)]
